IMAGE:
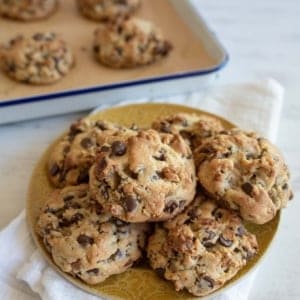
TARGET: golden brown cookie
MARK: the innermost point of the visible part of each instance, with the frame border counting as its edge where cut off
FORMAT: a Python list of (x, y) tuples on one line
[(245, 172), (43, 58), (147, 177), (83, 240), (134, 42), (201, 248)]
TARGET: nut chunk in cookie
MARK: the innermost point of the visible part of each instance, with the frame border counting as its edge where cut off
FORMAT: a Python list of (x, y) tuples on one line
[(83, 240), (43, 58), (201, 248), (133, 42), (245, 172), (148, 177), (192, 127), (72, 157), (107, 10), (27, 10)]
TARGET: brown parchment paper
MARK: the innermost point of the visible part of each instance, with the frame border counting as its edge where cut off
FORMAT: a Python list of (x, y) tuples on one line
[(189, 53)]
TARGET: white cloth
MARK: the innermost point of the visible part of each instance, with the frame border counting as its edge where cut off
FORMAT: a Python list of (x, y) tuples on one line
[(25, 274)]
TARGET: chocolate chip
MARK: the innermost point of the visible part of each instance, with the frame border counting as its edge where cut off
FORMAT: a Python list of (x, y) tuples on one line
[(217, 214), (54, 169), (104, 149), (224, 242), (160, 272), (165, 127), (82, 194), (119, 50), (38, 37), (285, 186), (170, 207), (192, 214), (117, 254), (86, 143), (118, 148), (160, 157), (162, 48), (93, 271), (96, 48), (83, 176), (98, 208), (130, 202), (101, 165), (85, 240), (101, 125), (247, 187), (240, 231), (77, 217), (68, 198), (128, 37), (209, 280)]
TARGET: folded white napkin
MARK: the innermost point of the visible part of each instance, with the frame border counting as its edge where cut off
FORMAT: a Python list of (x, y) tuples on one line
[(25, 274)]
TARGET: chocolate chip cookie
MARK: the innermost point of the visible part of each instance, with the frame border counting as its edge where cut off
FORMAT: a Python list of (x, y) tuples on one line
[(131, 43), (43, 58), (148, 177), (72, 157), (245, 172), (193, 128), (83, 240), (107, 10), (201, 248), (27, 10)]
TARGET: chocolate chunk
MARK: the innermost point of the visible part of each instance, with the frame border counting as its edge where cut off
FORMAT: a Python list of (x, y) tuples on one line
[(68, 198), (86, 143), (104, 149), (224, 242), (162, 48), (93, 271), (101, 125), (165, 127), (54, 169), (83, 176), (210, 281), (130, 202), (118, 148), (247, 187), (240, 231), (85, 240), (170, 207), (96, 48), (98, 208), (160, 272)]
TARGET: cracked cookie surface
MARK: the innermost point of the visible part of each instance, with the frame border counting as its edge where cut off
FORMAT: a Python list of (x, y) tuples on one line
[(131, 43), (201, 248), (107, 10), (43, 58), (245, 172), (147, 177), (83, 240), (193, 128), (27, 10), (72, 157)]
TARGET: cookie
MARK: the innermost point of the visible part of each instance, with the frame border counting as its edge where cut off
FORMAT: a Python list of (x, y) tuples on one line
[(83, 240), (129, 44), (43, 58), (193, 128), (245, 172), (72, 157), (148, 177), (28, 10), (201, 248), (107, 10)]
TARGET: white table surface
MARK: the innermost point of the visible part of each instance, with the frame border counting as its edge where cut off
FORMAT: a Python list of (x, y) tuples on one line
[(263, 39)]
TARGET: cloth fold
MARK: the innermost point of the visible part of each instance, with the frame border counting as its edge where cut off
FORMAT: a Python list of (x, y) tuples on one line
[(26, 275)]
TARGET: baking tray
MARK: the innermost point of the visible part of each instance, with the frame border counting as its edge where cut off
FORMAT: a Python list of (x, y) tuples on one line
[(194, 62)]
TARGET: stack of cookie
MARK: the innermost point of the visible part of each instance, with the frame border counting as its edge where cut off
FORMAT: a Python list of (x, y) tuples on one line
[(176, 194), (121, 41)]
